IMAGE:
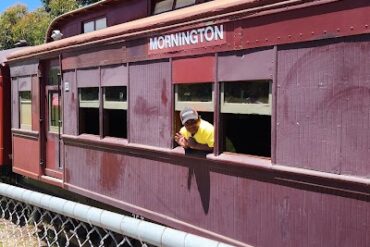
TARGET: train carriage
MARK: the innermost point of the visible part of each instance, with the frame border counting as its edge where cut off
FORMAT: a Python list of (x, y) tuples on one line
[(285, 83)]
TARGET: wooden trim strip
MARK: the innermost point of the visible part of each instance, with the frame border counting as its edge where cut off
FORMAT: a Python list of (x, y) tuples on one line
[(29, 134), (229, 162)]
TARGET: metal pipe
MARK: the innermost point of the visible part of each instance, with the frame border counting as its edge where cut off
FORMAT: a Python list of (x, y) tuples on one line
[(135, 228)]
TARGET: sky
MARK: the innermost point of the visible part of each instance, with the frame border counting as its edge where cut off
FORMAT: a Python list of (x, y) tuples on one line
[(31, 4)]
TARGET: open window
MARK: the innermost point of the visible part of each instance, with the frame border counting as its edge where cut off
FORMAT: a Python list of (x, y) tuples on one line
[(115, 111), (194, 89), (246, 79), (89, 110), (246, 117)]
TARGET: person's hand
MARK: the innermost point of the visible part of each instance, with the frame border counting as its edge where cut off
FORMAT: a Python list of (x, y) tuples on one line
[(192, 143), (180, 139)]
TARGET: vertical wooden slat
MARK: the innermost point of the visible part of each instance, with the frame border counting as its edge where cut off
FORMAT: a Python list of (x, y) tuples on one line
[(322, 107), (70, 99), (15, 104), (150, 104)]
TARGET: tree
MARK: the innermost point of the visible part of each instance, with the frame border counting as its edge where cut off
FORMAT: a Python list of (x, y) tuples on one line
[(79, 3), (32, 27), (8, 21), (59, 7)]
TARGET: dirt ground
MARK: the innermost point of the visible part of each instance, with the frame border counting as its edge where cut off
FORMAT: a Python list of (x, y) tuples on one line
[(13, 236)]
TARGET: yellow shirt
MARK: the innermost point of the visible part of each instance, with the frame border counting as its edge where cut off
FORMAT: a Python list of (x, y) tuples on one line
[(204, 135)]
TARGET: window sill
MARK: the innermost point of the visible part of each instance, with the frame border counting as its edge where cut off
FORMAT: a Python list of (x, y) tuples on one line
[(242, 159), (25, 133)]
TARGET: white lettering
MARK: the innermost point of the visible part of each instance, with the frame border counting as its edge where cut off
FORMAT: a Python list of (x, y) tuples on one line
[(219, 31), (174, 40), (154, 43), (167, 39), (160, 42), (186, 38), (201, 34), (191, 37), (209, 34)]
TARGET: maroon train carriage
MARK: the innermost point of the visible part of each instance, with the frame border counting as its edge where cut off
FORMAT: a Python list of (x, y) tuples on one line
[(5, 112), (286, 84)]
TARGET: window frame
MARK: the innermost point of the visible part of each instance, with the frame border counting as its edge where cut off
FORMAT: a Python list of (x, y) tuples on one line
[(88, 103), (94, 22), (246, 108), (25, 126), (53, 128), (199, 105), (111, 104)]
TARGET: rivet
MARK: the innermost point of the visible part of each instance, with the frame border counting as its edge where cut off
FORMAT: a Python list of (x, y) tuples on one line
[(351, 28), (266, 40), (278, 37), (289, 36), (325, 31), (312, 33), (338, 29), (366, 26)]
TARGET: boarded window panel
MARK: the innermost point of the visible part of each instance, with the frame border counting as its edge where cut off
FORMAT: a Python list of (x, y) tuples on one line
[(193, 70), (70, 99), (150, 104), (24, 83), (244, 66), (88, 77), (26, 68), (116, 75)]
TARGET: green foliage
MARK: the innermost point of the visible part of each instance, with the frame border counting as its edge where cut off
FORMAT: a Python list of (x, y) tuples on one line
[(32, 27), (17, 23), (8, 21), (59, 7)]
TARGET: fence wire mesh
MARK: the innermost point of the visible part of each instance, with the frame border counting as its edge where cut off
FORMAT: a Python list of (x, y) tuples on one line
[(26, 225)]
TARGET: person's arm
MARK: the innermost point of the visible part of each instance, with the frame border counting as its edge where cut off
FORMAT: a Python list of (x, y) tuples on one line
[(181, 140), (192, 143)]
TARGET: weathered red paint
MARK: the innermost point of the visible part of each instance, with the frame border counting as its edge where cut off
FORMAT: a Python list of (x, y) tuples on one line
[(26, 159), (194, 69)]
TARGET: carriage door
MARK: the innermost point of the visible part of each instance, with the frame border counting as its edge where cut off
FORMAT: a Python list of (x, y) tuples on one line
[(52, 120)]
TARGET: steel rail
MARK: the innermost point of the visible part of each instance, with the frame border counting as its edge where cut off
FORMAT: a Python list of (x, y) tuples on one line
[(142, 230)]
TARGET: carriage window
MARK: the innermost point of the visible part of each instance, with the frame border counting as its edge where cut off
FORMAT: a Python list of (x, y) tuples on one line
[(54, 112), (89, 110), (53, 76), (246, 117), (25, 108), (160, 6), (100, 23), (115, 111), (93, 25), (184, 3), (198, 96)]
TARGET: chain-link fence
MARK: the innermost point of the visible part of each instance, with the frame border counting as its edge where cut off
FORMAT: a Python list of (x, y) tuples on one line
[(30, 218), (26, 225)]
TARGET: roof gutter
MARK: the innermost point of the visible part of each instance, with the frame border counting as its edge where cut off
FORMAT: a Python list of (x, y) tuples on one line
[(163, 22)]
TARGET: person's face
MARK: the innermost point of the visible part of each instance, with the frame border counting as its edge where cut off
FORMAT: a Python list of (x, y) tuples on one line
[(192, 125)]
